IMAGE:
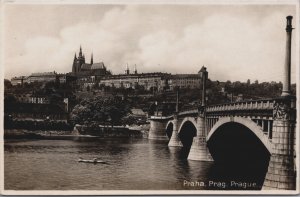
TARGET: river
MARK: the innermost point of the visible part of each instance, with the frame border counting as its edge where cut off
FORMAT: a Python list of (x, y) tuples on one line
[(132, 164)]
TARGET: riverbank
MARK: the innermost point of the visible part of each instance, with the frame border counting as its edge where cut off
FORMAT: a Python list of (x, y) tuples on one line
[(27, 134), (80, 131), (116, 131)]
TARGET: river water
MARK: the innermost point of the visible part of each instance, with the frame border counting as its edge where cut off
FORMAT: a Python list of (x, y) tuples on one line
[(132, 164)]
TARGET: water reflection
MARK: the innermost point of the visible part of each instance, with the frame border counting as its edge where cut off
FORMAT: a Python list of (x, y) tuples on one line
[(137, 164)]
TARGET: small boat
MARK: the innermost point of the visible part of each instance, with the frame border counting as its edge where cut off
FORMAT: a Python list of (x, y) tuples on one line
[(95, 160)]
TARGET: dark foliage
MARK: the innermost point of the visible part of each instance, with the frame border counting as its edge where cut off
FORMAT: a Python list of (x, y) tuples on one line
[(99, 110)]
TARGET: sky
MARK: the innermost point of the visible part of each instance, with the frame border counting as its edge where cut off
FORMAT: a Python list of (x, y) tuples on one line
[(234, 42)]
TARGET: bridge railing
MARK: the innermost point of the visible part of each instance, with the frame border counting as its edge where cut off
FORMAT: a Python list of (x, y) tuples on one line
[(243, 105), (160, 117), (191, 111), (266, 104)]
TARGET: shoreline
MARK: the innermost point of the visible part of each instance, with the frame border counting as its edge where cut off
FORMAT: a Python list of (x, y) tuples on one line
[(78, 132)]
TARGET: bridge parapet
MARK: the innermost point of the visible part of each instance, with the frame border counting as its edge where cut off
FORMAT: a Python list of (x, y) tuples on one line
[(244, 105), (191, 111), (161, 117), (255, 105), (183, 113)]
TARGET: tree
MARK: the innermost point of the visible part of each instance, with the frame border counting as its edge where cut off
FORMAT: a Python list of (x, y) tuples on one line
[(100, 110), (80, 114)]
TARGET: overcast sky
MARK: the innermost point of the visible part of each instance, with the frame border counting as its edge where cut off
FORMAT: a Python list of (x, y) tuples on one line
[(234, 42)]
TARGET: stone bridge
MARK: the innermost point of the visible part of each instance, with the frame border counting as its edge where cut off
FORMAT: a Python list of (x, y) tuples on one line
[(263, 129), (269, 125)]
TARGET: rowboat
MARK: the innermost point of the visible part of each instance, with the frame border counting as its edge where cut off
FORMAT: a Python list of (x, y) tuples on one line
[(95, 160)]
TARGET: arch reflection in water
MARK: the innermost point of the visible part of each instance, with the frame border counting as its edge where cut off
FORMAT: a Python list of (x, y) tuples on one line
[(239, 156)]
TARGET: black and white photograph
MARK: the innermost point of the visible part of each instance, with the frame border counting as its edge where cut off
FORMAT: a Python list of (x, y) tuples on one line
[(167, 97)]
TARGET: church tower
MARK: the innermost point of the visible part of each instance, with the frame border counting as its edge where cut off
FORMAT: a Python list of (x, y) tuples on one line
[(78, 62), (74, 65)]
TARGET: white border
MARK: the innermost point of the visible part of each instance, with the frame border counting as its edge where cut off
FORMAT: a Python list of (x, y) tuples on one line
[(1, 102), (182, 2)]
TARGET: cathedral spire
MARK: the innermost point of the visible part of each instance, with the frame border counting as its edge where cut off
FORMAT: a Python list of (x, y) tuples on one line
[(92, 59), (75, 57), (80, 51)]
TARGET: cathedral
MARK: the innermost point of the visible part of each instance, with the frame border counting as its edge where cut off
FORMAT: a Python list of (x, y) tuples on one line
[(81, 69)]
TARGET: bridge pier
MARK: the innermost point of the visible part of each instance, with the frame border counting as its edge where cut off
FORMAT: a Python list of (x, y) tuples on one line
[(282, 171), (175, 141), (199, 150), (157, 130)]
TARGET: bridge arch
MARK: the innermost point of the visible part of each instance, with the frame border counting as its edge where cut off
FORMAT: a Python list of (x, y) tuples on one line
[(247, 123), (188, 119), (240, 149), (169, 129), (186, 132)]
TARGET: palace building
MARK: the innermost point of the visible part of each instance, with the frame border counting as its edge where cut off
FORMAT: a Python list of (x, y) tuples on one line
[(89, 74), (191, 81), (148, 81)]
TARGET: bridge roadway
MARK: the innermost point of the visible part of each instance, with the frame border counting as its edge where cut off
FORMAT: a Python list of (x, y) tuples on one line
[(272, 121)]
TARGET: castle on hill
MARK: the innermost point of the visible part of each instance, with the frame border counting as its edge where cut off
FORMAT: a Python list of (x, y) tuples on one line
[(81, 68), (87, 75)]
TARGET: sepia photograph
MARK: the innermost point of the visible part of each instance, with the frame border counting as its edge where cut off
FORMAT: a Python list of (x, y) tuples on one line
[(168, 97)]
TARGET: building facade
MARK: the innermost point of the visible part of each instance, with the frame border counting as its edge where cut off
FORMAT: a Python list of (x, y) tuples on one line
[(147, 81), (191, 81), (18, 80), (43, 77)]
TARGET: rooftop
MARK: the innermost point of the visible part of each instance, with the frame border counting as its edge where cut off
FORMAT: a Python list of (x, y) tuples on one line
[(140, 75), (42, 74), (99, 65)]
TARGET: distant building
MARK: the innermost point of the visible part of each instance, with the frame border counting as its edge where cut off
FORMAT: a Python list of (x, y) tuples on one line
[(148, 81), (87, 74), (83, 69), (18, 80), (29, 98), (42, 77), (158, 81), (191, 81)]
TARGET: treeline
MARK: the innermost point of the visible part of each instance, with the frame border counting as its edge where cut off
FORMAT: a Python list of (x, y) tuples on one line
[(256, 89), (223, 92)]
